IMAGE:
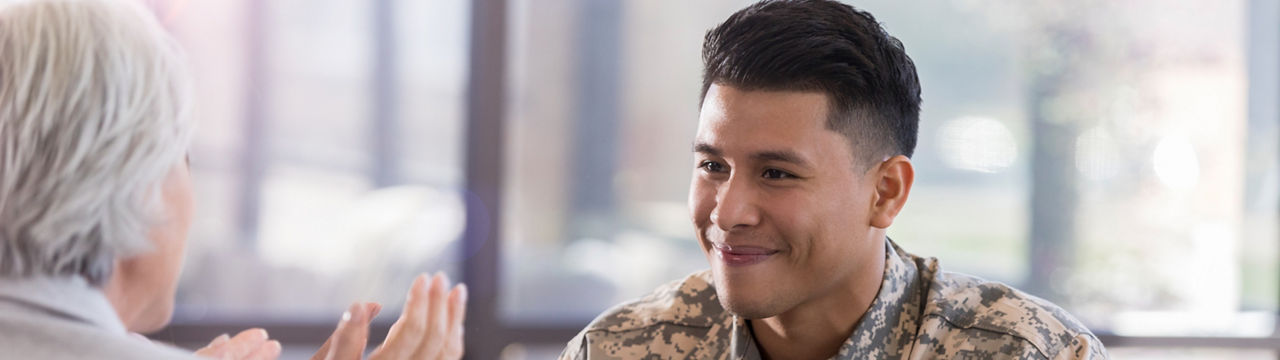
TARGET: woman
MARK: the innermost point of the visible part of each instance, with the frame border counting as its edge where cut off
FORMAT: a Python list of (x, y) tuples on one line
[(96, 199)]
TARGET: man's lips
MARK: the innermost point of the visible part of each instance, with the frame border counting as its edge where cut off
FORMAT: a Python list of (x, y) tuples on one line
[(742, 255)]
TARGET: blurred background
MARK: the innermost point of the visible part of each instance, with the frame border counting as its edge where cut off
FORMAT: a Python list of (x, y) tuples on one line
[(1117, 157)]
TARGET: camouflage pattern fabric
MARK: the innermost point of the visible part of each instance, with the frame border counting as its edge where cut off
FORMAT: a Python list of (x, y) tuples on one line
[(920, 312)]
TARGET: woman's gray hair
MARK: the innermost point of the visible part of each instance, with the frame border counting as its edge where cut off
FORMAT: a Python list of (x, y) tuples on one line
[(93, 115)]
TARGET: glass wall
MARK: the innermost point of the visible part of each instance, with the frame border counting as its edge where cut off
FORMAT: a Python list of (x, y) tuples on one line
[(1119, 158), (328, 158), (1104, 155)]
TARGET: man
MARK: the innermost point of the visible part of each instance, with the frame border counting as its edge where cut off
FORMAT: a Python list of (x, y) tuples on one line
[(801, 161), (96, 198)]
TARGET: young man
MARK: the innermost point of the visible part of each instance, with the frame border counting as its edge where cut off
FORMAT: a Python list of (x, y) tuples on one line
[(801, 161)]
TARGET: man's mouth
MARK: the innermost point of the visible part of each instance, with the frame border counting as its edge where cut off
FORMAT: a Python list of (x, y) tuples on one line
[(742, 255)]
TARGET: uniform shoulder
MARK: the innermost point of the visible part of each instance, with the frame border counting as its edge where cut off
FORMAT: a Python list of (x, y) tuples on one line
[(680, 320), (689, 302), (970, 302)]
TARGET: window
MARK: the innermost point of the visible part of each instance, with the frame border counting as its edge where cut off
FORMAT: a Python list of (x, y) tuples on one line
[(1117, 158), (327, 161)]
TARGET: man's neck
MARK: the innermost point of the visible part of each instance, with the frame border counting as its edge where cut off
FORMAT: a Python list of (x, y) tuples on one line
[(817, 328)]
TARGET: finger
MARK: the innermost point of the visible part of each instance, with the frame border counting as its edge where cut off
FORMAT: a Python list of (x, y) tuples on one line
[(216, 348), (372, 309), (269, 350), (437, 319), (323, 353), (244, 343), (405, 335), (220, 340), (349, 339), (458, 305), (453, 347)]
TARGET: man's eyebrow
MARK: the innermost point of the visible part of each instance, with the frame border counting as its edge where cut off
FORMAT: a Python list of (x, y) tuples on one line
[(781, 156), (706, 149), (773, 155)]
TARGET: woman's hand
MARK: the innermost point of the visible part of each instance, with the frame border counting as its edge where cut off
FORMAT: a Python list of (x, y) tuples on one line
[(252, 344), (430, 327)]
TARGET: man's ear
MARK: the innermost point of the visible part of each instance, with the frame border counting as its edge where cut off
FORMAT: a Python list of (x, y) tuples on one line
[(892, 179)]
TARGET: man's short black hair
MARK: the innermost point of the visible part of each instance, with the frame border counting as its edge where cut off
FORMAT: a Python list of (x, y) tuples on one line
[(825, 46)]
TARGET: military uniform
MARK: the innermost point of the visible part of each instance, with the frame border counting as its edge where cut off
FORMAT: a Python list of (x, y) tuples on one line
[(920, 312)]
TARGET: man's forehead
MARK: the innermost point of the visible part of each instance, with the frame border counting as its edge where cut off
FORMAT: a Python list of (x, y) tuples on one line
[(728, 134), (730, 112), (740, 123)]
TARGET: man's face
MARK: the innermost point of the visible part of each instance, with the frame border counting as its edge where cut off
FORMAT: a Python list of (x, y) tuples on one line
[(780, 205)]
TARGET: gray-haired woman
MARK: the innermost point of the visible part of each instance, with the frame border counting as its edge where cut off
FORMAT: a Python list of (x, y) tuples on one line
[(96, 198)]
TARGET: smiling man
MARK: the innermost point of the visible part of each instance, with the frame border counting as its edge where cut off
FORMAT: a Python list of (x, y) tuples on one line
[(801, 162)]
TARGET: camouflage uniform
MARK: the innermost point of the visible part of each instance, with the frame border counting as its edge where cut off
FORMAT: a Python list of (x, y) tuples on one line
[(919, 313)]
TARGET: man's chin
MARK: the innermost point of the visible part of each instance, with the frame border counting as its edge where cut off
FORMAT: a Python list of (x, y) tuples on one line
[(749, 307), (748, 310), (748, 295)]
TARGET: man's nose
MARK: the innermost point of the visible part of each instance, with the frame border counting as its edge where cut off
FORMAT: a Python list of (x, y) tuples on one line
[(736, 206)]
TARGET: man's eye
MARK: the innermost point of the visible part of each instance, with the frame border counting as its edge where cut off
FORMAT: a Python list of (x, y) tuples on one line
[(711, 166), (777, 174)]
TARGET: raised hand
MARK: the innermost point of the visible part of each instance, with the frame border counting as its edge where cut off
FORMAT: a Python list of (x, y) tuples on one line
[(430, 327)]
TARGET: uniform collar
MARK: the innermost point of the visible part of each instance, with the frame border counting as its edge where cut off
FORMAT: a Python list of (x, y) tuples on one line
[(70, 298), (888, 326)]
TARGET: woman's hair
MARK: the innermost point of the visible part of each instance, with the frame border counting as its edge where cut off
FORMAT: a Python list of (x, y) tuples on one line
[(93, 115)]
